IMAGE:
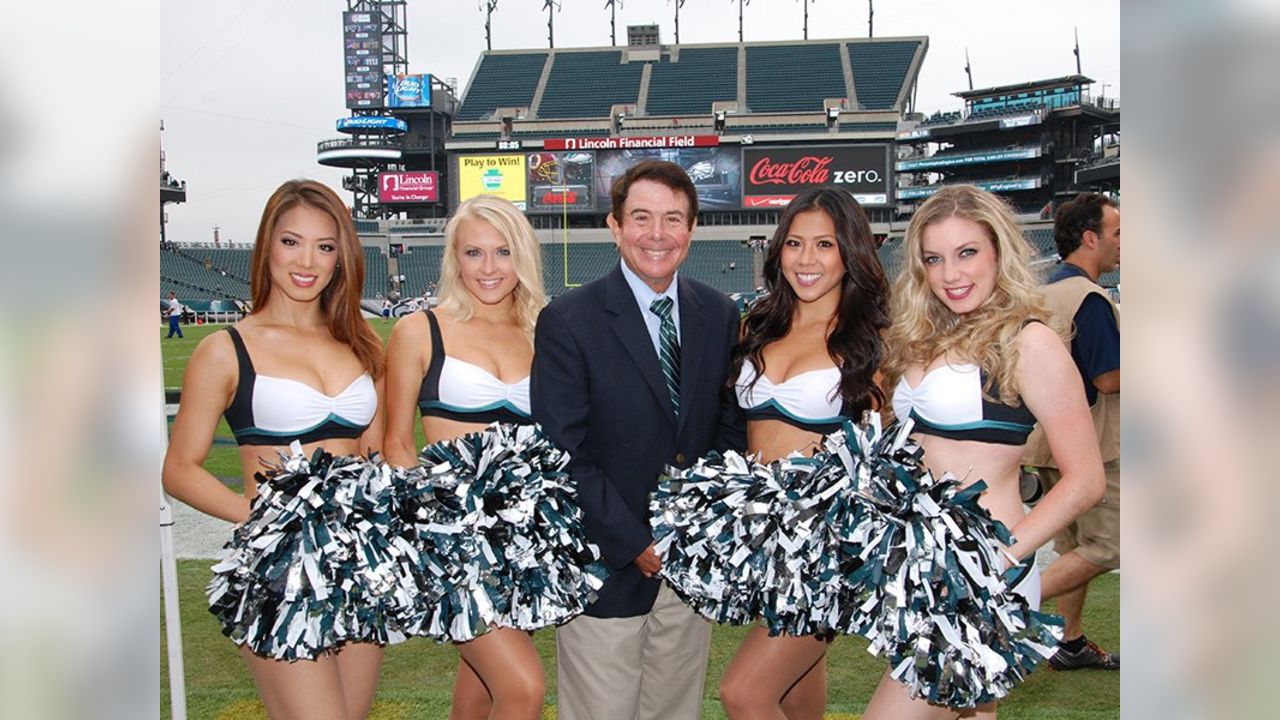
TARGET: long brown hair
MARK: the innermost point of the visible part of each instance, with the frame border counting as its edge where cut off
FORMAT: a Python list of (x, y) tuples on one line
[(862, 315), (340, 299)]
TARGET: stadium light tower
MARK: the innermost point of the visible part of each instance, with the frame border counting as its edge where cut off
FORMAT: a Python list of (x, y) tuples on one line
[(967, 69), (806, 18), (613, 20), (488, 6), (551, 6), (871, 15), (1077, 51), (740, 4), (679, 4)]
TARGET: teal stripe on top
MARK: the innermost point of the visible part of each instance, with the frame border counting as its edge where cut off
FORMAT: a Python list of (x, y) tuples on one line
[(332, 418)]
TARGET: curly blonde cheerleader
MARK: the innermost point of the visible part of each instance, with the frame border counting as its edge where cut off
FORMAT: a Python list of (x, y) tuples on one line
[(924, 328)]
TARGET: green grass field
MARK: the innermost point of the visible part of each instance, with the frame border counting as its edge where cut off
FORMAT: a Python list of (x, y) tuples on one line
[(417, 676)]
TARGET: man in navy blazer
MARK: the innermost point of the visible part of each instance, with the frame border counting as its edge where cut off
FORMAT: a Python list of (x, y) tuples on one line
[(613, 387)]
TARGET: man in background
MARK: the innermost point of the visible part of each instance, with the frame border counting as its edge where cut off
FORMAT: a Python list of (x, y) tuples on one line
[(174, 313), (1087, 232)]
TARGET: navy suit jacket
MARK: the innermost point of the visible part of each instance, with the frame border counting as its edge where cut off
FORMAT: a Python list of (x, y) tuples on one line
[(598, 391)]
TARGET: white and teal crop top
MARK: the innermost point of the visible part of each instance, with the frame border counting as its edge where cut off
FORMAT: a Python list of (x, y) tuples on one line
[(810, 401), (459, 390), (948, 403), (268, 410)]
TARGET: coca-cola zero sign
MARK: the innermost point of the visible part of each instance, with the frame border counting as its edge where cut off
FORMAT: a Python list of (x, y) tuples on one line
[(774, 175)]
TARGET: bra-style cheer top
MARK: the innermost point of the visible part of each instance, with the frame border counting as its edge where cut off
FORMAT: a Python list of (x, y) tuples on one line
[(459, 390), (810, 401), (948, 403), (268, 410)]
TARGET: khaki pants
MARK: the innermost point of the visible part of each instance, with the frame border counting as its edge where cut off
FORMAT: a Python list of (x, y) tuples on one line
[(1095, 535), (648, 667)]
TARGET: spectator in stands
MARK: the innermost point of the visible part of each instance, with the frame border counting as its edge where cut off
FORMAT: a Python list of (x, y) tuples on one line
[(308, 337), (971, 361), (174, 313), (628, 376), (1087, 232), (491, 292), (817, 331)]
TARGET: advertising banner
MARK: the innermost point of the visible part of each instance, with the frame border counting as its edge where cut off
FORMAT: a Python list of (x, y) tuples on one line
[(969, 159), (631, 143), (409, 91), (561, 181), (409, 187), (501, 175), (774, 175), (995, 186), (372, 123), (716, 172), (362, 58)]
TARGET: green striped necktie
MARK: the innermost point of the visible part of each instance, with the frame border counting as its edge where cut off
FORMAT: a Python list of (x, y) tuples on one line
[(668, 348)]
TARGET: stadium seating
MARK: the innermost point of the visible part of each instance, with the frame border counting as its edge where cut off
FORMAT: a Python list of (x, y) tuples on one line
[(1042, 244), (774, 85), (502, 80), (723, 264), (869, 127), (787, 128), (375, 272), (587, 261), (587, 84), (709, 261), (420, 267), (187, 268), (689, 87), (462, 134), (879, 71), (890, 254)]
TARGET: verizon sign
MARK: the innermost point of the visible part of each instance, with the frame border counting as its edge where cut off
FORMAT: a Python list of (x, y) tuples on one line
[(774, 175), (406, 187), (631, 143)]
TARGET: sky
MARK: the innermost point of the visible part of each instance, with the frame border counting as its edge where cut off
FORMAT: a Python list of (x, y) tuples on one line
[(248, 87)]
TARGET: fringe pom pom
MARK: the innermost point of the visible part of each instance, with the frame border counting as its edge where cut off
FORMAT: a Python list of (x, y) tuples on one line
[(930, 595), (501, 534), (740, 540), (321, 560)]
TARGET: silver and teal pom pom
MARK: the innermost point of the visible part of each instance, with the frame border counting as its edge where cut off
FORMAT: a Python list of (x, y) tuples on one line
[(503, 545), (742, 540), (930, 595), (320, 562)]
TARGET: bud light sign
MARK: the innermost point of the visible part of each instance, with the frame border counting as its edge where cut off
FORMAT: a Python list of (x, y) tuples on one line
[(406, 187), (409, 91), (774, 175)]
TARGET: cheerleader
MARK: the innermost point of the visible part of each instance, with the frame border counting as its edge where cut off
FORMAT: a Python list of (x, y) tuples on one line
[(973, 365), (464, 366), (807, 361), (302, 367)]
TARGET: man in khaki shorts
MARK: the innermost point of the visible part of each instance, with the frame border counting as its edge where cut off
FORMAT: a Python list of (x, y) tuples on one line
[(1087, 232)]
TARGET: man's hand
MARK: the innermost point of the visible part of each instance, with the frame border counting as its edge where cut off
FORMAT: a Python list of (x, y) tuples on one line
[(648, 562)]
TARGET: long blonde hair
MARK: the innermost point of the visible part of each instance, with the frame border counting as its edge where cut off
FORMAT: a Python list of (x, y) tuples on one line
[(512, 225), (924, 328), (340, 299)]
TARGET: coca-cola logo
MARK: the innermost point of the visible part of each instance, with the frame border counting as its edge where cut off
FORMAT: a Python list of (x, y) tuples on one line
[(806, 170)]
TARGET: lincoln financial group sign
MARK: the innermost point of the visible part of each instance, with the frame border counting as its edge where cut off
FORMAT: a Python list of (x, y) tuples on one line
[(772, 176)]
